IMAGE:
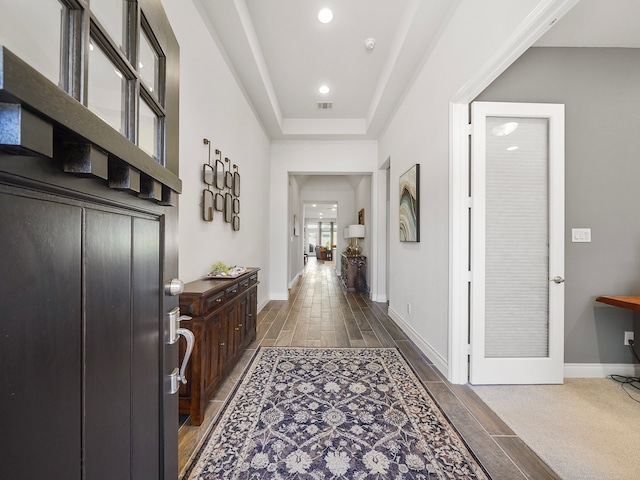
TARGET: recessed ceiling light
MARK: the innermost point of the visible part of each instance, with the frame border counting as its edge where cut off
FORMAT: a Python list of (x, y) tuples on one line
[(324, 89), (511, 149), (325, 15)]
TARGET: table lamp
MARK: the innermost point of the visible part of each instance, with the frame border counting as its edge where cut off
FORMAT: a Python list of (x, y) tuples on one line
[(356, 231)]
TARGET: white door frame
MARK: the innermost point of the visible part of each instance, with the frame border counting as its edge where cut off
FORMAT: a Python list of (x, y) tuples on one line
[(535, 25)]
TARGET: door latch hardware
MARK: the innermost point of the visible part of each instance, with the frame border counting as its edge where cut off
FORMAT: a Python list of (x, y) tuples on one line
[(174, 379)]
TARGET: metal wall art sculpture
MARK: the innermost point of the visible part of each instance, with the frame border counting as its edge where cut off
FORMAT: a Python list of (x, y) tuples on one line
[(222, 190)]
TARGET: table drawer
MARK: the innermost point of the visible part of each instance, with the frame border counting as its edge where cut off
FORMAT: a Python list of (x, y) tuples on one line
[(214, 301), (232, 291)]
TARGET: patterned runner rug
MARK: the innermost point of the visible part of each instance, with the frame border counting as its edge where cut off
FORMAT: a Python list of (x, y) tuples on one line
[(332, 413)]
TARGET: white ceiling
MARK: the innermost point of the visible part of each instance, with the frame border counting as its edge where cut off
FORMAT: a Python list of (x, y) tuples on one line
[(324, 210), (281, 54)]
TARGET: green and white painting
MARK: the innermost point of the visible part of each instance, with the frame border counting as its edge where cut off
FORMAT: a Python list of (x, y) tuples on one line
[(409, 205)]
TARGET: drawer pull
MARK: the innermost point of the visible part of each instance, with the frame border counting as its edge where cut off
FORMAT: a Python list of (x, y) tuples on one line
[(222, 344), (239, 325), (218, 300), (237, 328)]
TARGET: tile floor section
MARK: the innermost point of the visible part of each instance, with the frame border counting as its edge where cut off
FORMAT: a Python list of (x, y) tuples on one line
[(320, 313)]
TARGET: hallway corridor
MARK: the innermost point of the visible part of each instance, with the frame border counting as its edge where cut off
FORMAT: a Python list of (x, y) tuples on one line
[(320, 313)]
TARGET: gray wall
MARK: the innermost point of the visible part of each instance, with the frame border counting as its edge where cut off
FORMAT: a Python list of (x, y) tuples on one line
[(600, 88)]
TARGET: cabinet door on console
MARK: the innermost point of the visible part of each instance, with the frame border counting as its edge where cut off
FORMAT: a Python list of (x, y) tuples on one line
[(252, 313), (224, 341), (243, 319), (234, 332), (212, 368)]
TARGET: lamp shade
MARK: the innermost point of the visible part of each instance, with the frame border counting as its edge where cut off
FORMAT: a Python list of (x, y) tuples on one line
[(356, 231)]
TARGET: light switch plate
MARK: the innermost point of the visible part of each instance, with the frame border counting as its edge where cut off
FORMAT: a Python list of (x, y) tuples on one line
[(581, 235)]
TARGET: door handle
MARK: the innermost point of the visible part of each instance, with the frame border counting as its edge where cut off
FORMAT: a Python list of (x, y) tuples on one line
[(557, 279), (178, 376), (175, 331), (188, 336)]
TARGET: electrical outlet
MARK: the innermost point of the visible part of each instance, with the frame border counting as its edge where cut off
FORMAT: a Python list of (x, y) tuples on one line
[(628, 336), (409, 309)]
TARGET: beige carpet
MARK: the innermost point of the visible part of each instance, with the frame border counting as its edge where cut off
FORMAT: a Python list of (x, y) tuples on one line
[(585, 429)]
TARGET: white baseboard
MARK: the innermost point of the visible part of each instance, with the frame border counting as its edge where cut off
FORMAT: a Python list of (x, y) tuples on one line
[(262, 304), (380, 298), (438, 361), (600, 370), (571, 370)]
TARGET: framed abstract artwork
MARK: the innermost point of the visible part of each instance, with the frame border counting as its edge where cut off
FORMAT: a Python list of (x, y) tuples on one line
[(410, 205)]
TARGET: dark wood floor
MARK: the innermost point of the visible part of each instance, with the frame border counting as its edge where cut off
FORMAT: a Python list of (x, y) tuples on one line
[(320, 313)]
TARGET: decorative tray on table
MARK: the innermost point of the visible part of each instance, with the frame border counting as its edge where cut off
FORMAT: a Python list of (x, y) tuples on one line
[(233, 273)]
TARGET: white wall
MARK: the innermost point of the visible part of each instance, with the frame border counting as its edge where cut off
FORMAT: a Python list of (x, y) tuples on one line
[(419, 133), (363, 201), (296, 243), (305, 156), (213, 106)]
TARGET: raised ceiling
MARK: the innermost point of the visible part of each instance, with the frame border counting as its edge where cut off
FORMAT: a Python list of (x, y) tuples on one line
[(281, 54)]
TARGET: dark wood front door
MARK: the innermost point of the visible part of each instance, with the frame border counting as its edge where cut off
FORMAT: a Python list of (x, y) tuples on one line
[(88, 240), (82, 347)]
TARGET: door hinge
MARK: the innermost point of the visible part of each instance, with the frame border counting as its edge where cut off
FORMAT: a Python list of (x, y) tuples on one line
[(469, 129), (469, 276), (468, 349), (469, 202)]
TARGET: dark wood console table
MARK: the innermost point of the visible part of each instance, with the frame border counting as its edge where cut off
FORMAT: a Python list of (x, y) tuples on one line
[(353, 273), (223, 323)]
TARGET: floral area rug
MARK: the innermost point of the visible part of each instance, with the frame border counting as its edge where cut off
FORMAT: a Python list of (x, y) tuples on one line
[(332, 413)]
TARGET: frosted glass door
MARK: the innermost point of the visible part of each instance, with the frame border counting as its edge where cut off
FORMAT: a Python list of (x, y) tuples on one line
[(517, 255)]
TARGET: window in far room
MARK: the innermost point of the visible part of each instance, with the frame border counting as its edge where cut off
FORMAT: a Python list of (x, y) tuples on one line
[(327, 236)]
